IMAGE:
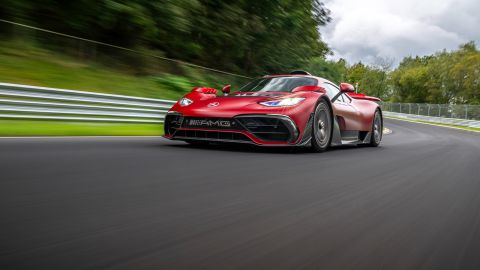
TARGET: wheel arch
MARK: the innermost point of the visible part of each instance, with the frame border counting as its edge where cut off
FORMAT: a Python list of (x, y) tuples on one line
[(329, 102)]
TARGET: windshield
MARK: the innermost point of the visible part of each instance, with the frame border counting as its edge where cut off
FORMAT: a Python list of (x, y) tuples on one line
[(277, 84)]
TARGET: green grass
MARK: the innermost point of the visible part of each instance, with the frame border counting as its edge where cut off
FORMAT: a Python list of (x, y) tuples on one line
[(57, 128), (434, 123), (34, 66), (23, 62)]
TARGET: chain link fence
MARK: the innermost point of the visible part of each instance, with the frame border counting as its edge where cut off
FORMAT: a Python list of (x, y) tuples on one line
[(467, 112)]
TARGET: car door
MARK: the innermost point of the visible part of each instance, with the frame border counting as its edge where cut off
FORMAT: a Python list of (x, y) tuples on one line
[(347, 114)]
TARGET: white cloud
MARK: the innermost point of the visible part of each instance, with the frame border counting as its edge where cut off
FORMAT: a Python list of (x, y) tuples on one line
[(363, 30)]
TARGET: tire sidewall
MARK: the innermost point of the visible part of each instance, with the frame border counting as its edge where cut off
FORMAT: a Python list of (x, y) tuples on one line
[(315, 144), (373, 142)]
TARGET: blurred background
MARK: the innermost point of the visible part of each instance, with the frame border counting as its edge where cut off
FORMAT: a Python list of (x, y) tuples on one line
[(162, 49)]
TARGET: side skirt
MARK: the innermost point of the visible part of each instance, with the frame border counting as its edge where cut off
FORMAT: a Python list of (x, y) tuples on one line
[(337, 134), (355, 137)]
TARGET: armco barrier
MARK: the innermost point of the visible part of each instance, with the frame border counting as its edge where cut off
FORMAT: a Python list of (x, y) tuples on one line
[(33, 102)]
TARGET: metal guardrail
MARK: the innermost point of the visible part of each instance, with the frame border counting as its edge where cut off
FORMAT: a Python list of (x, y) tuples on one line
[(467, 112), (32, 102)]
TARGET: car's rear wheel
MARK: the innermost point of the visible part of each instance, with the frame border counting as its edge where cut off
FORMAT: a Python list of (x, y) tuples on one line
[(377, 130), (322, 127)]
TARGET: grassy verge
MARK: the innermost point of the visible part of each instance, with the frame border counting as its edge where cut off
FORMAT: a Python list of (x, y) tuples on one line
[(24, 62), (57, 128), (435, 124)]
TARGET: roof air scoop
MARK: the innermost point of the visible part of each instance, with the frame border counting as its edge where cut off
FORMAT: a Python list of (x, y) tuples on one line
[(299, 72)]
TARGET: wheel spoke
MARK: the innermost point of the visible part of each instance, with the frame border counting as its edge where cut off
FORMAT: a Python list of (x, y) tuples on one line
[(322, 124), (322, 127)]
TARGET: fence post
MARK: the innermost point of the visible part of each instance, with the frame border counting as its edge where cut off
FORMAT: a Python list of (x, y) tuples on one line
[(466, 111), (418, 109), (409, 108), (439, 110), (428, 109)]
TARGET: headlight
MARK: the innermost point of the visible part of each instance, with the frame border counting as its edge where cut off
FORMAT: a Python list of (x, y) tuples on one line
[(185, 102), (282, 102)]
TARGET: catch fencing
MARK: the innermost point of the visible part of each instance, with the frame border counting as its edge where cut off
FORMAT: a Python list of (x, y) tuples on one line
[(32, 102), (462, 115), (467, 112)]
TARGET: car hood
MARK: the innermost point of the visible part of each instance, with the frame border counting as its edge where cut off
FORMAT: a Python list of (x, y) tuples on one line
[(226, 106)]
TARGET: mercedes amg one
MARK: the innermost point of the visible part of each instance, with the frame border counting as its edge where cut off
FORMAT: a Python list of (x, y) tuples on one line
[(295, 109)]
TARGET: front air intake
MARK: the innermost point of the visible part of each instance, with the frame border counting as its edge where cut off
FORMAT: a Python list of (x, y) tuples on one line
[(270, 128), (172, 122)]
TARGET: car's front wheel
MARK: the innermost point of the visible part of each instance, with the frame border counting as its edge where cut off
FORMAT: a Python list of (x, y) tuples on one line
[(322, 127)]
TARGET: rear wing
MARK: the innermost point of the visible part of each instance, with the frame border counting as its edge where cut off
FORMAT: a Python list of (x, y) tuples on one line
[(363, 96)]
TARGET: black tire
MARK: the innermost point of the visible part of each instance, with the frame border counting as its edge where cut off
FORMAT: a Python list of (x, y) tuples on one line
[(322, 127), (377, 129)]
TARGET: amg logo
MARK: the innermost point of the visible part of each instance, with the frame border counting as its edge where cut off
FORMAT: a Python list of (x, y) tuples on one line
[(209, 123)]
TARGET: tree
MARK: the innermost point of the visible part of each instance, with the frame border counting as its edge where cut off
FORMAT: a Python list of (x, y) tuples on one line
[(244, 36)]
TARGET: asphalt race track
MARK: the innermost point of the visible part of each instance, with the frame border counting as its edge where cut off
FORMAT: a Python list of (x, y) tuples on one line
[(149, 203)]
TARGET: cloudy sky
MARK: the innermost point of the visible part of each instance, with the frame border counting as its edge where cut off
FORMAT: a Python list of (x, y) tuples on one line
[(362, 30)]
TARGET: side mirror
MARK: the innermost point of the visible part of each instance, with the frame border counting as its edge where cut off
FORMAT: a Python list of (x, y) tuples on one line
[(226, 89), (310, 88), (346, 87)]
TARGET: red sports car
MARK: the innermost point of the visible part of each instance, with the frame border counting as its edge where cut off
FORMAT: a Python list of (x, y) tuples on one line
[(297, 109)]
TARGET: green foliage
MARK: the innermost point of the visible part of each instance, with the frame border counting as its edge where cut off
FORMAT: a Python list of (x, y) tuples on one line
[(245, 36), (26, 63), (173, 82), (409, 83), (445, 77), (369, 80), (331, 70)]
